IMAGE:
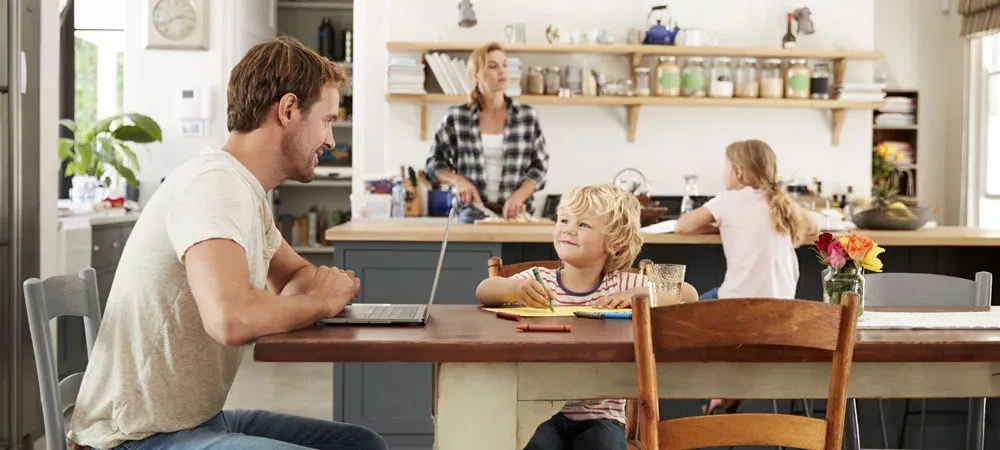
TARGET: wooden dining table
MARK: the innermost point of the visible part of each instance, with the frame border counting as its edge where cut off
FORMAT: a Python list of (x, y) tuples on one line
[(494, 384)]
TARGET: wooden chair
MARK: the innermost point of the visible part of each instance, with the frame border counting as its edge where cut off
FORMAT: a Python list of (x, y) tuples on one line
[(736, 322), (497, 269)]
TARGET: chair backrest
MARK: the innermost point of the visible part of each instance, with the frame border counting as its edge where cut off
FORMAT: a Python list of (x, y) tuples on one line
[(63, 295), (748, 323), (924, 289), (496, 268)]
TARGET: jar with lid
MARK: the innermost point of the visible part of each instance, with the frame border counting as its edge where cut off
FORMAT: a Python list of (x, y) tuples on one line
[(693, 78), (721, 84), (536, 81), (746, 79), (797, 77), (552, 83), (668, 77), (819, 84), (642, 81), (772, 83)]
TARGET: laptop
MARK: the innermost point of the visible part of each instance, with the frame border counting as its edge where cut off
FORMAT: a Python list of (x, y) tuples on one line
[(388, 314)]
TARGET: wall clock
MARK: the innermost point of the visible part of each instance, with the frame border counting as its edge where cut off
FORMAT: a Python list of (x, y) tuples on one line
[(177, 24)]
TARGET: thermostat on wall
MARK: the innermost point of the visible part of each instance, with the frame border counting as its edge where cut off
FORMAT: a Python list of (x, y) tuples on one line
[(194, 110)]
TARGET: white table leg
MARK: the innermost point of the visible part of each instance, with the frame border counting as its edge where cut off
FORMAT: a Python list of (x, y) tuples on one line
[(476, 406)]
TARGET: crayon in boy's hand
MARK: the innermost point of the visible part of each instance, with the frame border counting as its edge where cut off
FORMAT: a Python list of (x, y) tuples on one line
[(538, 277)]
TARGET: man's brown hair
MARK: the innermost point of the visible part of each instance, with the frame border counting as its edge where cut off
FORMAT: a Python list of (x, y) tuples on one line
[(272, 69)]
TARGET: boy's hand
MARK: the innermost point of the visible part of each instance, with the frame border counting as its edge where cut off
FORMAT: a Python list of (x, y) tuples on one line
[(616, 301), (532, 294)]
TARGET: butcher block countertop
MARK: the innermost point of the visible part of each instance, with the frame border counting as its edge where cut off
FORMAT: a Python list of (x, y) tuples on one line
[(432, 230)]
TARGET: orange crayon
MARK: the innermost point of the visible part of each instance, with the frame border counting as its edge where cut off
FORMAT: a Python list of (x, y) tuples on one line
[(542, 327)]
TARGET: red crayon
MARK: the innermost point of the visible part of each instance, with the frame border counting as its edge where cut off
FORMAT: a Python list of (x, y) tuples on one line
[(541, 327), (508, 316)]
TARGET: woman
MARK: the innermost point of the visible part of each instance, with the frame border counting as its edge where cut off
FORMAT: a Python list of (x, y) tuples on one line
[(491, 148)]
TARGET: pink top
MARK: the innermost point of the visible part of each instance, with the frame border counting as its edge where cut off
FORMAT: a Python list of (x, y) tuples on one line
[(759, 261)]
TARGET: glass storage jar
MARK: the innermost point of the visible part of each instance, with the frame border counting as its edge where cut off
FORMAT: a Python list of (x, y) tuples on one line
[(721, 84), (797, 77), (642, 81), (772, 83), (819, 84), (668, 77), (746, 79), (552, 80), (536, 81), (693, 78)]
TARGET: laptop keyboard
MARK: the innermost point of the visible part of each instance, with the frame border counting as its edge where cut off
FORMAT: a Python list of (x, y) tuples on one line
[(394, 312)]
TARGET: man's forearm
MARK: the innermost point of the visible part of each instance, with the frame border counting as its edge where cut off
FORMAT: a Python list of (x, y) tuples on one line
[(265, 313), (299, 282)]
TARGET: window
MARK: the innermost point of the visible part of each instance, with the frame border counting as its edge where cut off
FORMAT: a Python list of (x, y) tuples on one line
[(98, 53)]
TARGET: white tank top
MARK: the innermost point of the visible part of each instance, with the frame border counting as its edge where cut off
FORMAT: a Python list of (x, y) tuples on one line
[(493, 165)]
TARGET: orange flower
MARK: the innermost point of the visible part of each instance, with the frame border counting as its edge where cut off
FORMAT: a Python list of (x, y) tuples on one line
[(857, 246)]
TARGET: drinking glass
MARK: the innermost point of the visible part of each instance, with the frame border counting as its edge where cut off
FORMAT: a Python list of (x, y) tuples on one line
[(664, 281)]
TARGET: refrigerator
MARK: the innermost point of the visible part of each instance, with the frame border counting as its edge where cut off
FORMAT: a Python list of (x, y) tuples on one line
[(19, 228)]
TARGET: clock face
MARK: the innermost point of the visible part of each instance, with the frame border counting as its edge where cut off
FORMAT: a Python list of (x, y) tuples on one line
[(174, 19)]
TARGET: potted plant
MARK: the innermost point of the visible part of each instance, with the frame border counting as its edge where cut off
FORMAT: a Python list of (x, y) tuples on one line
[(886, 211), (846, 258), (103, 150)]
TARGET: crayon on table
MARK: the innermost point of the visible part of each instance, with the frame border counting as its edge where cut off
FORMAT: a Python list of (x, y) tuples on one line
[(508, 316), (617, 315), (588, 315), (545, 327)]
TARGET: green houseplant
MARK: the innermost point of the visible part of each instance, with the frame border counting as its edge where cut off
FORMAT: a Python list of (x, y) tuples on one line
[(105, 146)]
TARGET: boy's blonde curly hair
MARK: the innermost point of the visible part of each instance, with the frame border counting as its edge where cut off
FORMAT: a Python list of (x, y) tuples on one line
[(621, 212)]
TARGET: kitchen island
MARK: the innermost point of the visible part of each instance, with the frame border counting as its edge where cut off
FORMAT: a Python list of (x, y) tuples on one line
[(395, 259)]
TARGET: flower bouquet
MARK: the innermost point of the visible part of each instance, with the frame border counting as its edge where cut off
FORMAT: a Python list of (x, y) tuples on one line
[(846, 259)]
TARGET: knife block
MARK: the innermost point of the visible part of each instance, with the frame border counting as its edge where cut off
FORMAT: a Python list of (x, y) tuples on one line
[(414, 204)]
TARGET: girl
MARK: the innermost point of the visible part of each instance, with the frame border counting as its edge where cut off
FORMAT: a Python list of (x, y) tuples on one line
[(596, 237), (760, 227)]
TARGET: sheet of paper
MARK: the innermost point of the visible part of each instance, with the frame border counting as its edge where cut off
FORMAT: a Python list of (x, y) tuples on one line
[(930, 321), (561, 311), (667, 226)]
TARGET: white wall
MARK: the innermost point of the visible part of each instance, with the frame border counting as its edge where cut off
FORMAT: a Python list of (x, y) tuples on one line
[(153, 80), (588, 144), (48, 161), (933, 63)]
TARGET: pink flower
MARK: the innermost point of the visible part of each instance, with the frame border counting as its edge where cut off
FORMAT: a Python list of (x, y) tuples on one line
[(836, 256)]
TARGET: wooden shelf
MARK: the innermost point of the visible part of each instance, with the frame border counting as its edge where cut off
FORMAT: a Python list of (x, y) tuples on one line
[(895, 127), (837, 107), (343, 124), (644, 50), (634, 54), (316, 5)]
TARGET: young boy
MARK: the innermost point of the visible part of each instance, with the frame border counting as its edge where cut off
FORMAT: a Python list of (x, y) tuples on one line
[(596, 237)]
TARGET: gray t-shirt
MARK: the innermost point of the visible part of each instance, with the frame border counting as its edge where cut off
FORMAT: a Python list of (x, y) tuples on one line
[(154, 368)]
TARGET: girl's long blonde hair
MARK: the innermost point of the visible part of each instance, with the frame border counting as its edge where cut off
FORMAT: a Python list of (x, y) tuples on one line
[(758, 167), (478, 60)]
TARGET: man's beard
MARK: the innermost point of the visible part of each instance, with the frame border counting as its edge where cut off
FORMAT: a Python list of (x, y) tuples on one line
[(298, 167)]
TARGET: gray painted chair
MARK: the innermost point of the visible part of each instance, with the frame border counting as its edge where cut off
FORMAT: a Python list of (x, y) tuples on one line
[(918, 289), (64, 295)]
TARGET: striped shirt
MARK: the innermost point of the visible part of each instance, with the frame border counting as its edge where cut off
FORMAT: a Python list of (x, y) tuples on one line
[(613, 409)]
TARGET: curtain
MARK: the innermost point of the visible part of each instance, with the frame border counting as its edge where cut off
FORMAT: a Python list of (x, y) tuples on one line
[(979, 17)]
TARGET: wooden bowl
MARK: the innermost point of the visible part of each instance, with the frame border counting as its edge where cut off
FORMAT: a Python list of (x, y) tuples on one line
[(874, 219), (651, 215)]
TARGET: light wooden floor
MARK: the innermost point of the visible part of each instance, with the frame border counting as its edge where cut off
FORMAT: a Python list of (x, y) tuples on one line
[(301, 389)]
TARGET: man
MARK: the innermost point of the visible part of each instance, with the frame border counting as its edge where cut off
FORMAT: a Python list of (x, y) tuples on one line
[(198, 277)]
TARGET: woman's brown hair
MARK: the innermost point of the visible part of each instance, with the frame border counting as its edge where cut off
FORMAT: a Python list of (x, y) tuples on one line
[(758, 168), (478, 60), (270, 70)]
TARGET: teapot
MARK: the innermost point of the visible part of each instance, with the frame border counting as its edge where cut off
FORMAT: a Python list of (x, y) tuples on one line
[(659, 34)]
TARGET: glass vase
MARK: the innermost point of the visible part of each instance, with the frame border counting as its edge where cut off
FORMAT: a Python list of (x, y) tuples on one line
[(846, 279)]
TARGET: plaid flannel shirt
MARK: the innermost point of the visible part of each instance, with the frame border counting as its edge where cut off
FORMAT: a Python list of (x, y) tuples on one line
[(458, 147)]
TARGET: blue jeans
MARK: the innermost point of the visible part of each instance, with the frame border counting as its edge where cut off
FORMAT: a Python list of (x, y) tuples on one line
[(253, 430), (561, 433), (711, 294)]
